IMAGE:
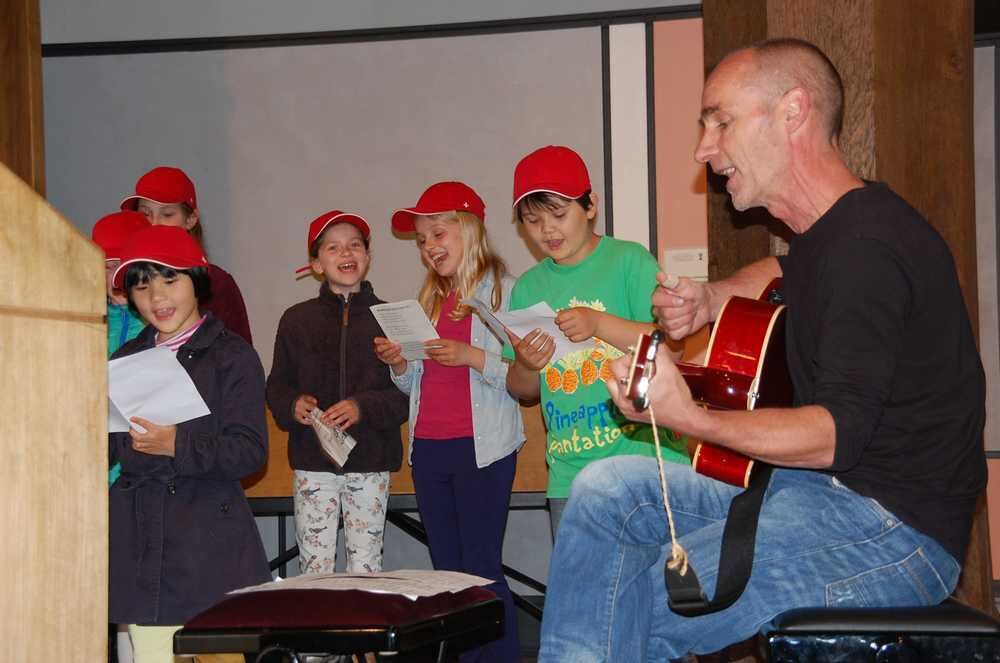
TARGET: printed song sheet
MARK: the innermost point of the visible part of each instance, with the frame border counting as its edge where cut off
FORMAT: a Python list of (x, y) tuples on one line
[(411, 583), (405, 323), (153, 385)]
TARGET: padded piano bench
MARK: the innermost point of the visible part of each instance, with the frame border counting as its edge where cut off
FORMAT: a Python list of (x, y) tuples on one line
[(304, 621), (946, 632)]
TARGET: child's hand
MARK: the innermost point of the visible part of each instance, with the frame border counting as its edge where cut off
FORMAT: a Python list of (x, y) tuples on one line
[(448, 352), (533, 351), (578, 323), (344, 414), (304, 404), (156, 441), (390, 353)]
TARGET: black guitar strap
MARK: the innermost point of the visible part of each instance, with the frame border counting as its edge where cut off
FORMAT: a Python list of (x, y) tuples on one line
[(685, 595)]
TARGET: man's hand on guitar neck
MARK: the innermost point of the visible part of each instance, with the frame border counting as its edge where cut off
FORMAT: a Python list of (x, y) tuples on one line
[(803, 436), (667, 390)]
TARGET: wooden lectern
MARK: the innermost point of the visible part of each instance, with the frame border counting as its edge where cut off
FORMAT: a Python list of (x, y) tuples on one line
[(54, 392)]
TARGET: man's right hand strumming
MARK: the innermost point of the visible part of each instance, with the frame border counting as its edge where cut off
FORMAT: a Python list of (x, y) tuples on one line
[(681, 306)]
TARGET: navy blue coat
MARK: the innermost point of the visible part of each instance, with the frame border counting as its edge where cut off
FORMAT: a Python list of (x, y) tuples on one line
[(181, 530)]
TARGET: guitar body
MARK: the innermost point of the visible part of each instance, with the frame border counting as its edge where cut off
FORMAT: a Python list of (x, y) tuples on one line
[(745, 368)]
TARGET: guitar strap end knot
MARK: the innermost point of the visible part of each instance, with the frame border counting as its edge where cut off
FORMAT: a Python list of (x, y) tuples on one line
[(678, 559)]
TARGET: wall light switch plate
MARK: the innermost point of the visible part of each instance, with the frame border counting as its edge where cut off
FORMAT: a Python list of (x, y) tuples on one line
[(691, 262)]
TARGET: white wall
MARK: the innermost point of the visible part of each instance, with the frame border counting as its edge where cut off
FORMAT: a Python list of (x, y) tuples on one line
[(122, 20), (274, 137)]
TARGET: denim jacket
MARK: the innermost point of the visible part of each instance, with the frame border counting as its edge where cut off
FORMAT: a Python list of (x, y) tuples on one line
[(496, 415)]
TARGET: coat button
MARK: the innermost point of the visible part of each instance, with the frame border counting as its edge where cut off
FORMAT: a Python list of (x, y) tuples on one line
[(224, 508)]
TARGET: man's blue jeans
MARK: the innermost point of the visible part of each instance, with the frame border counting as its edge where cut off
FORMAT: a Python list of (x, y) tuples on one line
[(818, 544)]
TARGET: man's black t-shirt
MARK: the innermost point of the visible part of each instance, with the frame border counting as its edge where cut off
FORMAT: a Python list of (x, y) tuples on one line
[(878, 334)]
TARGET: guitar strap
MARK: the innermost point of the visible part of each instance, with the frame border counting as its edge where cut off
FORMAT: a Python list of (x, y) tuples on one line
[(685, 595)]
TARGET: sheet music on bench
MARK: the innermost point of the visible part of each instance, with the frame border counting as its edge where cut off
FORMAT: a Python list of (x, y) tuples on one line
[(411, 583)]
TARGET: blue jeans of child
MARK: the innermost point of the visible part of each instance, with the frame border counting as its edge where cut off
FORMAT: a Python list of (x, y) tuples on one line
[(818, 544)]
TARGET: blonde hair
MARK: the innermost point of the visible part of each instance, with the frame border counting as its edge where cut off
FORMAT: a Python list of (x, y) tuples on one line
[(477, 260)]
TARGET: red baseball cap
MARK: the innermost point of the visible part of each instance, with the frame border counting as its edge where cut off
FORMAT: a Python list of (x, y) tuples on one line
[(165, 185), (551, 169), (169, 246), (324, 221), (113, 230), (438, 199)]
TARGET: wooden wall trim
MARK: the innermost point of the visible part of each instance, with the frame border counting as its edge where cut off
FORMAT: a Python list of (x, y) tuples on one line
[(21, 120)]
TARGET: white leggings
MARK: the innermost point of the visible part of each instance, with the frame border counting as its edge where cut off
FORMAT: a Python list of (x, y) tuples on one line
[(319, 499)]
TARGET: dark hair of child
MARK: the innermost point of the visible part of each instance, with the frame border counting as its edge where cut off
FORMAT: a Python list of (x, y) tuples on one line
[(548, 201), (142, 272)]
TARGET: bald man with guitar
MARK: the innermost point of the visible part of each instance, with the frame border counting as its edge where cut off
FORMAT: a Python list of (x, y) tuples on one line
[(856, 486)]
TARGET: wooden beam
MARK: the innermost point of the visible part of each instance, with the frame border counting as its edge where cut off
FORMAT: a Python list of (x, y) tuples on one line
[(734, 239), (21, 121)]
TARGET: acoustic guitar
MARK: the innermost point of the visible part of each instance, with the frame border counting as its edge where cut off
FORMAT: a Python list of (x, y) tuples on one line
[(744, 368)]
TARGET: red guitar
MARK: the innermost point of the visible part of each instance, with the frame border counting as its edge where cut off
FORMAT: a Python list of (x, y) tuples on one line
[(744, 368)]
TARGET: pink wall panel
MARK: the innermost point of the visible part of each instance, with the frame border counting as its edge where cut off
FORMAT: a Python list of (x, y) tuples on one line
[(679, 70)]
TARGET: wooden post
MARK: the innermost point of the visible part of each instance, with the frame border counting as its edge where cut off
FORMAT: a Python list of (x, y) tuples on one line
[(53, 344), (21, 144)]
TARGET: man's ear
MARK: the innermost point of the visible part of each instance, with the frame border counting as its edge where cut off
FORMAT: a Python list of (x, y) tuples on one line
[(795, 108)]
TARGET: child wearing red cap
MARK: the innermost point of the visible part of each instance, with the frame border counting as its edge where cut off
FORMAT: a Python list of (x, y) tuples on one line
[(324, 358), (601, 288), (110, 233), (181, 530), (465, 429), (166, 196)]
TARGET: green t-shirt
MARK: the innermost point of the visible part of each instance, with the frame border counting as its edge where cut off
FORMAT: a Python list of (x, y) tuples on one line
[(583, 423)]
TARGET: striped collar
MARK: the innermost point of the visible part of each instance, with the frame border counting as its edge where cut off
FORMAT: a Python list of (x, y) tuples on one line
[(176, 342)]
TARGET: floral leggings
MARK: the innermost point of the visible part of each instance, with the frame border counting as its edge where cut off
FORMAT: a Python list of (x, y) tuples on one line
[(319, 499)]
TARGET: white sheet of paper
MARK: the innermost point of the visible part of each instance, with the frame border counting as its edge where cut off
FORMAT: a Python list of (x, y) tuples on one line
[(117, 423), (411, 583), (541, 316), (488, 318), (405, 323), (153, 385)]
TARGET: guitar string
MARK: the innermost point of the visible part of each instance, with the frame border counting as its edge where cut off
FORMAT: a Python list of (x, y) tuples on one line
[(678, 556)]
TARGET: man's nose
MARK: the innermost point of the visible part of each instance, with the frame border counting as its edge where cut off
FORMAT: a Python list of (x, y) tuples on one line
[(706, 147)]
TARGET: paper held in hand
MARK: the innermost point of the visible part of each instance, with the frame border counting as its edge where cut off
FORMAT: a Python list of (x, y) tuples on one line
[(541, 316), (153, 385), (335, 443), (405, 323), (488, 318)]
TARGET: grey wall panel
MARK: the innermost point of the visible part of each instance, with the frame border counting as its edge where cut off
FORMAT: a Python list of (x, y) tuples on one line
[(984, 111), (65, 21), (274, 137)]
